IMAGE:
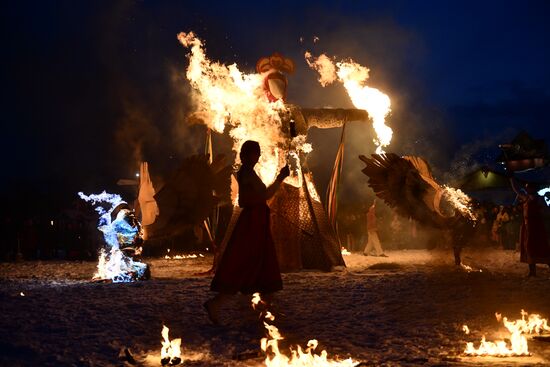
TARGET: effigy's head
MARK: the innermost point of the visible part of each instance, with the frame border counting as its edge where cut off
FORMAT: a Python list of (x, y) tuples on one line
[(273, 68), (250, 152)]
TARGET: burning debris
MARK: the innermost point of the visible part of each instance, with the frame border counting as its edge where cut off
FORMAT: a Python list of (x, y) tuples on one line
[(534, 324), (298, 357), (170, 353), (123, 237), (181, 257)]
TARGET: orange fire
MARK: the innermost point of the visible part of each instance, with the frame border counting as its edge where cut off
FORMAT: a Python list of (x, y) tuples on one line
[(180, 257), (518, 342), (298, 357), (225, 97), (354, 77), (171, 349)]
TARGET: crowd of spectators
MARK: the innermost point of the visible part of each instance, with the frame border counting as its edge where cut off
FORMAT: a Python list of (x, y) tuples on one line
[(497, 226)]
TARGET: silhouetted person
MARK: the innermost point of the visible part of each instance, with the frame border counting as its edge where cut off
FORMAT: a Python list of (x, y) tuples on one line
[(249, 263), (534, 248)]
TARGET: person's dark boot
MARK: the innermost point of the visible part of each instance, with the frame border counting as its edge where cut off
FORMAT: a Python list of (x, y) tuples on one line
[(532, 270)]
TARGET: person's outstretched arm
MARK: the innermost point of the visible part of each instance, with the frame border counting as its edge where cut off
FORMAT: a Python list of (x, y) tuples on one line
[(272, 189)]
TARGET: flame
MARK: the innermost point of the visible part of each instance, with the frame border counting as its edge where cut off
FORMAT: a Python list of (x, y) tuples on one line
[(226, 97), (533, 324), (469, 269), (460, 201), (345, 252), (171, 349), (180, 257), (298, 357), (354, 76), (113, 264)]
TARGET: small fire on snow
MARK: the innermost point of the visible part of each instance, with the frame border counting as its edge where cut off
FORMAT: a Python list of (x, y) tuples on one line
[(179, 257), (528, 324), (298, 357), (170, 353)]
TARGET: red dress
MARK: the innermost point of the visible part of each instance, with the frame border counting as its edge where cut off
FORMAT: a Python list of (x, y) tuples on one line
[(533, 240), (249, 263)]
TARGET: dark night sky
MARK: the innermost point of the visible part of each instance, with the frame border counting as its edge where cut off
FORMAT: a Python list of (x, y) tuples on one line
[(85, 82)]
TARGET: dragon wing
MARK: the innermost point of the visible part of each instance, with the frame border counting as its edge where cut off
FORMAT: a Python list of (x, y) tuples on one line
[(407, 185), (189, 196)]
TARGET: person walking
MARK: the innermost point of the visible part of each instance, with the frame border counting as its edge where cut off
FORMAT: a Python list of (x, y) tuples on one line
[(373, 242), (249, 263)]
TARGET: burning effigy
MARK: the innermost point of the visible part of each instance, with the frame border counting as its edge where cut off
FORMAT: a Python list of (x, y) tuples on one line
[(253, 106), (298, 356), (123, 238), (528, 324)]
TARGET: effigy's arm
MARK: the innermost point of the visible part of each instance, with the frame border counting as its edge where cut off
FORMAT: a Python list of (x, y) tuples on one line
[(325, 118)]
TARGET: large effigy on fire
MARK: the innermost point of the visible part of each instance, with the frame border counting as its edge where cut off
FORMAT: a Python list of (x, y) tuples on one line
[(304, 238), (254, 107)]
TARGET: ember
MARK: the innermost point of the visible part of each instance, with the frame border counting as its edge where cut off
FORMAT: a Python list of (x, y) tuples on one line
[(298, 357), (533, 324)]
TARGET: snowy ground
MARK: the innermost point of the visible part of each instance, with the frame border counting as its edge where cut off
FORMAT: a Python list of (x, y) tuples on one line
[(404, 310)]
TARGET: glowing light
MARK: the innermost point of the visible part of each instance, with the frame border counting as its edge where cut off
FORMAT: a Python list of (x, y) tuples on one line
[(22, 294), (345, 252), (354, 77)]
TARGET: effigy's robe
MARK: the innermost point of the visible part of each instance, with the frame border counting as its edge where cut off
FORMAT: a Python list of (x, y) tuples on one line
[(303, 236)]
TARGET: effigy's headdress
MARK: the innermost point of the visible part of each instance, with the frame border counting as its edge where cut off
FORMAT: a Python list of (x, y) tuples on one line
[(274, 67)]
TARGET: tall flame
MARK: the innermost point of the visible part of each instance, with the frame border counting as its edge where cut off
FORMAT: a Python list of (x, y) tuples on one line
[(354, 77), (226, 97), (171, 349)]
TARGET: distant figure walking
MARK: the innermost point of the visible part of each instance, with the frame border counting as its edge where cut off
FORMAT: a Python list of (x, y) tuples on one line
[(373, 242), (249, 263), (534, 248)]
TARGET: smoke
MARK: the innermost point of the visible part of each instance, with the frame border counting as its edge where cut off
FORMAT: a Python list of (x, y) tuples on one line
[(476, 154)]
